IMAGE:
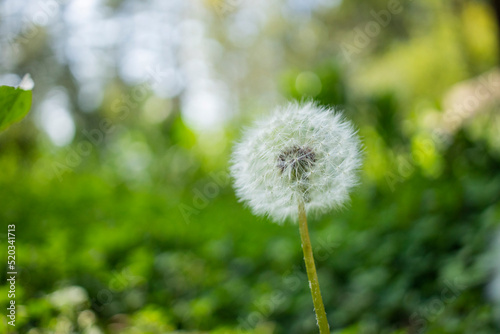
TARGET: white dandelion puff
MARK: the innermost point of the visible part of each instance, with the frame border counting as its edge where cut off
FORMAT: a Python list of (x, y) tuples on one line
[(302, 159), (301, 152)]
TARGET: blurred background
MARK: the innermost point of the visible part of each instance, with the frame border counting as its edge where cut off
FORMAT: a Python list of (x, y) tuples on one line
[(117, 180)]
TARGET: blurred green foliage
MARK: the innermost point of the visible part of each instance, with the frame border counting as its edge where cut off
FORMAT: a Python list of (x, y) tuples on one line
[(14, 105)]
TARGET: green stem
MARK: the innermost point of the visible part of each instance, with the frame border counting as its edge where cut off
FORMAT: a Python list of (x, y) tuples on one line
[(319, 308)]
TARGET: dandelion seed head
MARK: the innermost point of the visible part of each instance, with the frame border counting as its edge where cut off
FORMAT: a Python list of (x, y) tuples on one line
[(300, 152)]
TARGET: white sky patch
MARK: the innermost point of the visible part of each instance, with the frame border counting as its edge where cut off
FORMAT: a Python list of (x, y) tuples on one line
[(9, 79), (55, 118), (204, 109), (204, 101), (81, 11), (135, 64), (169, 84)]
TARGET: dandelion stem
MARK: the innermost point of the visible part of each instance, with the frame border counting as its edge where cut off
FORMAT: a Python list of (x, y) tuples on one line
[(319, 308)]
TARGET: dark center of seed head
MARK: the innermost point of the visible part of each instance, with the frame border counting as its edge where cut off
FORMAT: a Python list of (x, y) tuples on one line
[(296, 162)]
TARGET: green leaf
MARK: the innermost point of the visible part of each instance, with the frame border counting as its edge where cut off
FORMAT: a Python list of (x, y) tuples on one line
[(14, 105)]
